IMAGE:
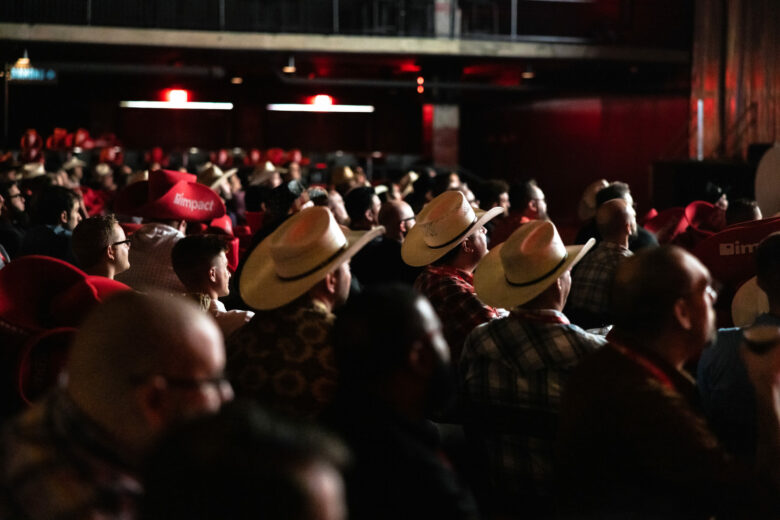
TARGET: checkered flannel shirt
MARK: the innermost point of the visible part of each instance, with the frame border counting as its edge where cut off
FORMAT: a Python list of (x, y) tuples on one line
[(512, 372), (591, 280), (451, 292)]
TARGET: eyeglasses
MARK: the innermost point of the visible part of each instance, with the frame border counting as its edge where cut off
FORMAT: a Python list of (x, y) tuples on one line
[(712, 289), (126, 241), (17, 195), (219, 382)]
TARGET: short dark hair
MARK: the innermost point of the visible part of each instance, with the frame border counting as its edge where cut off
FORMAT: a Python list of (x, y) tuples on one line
[(645, 289), (741, 210), (489, 191), (373, 333), (520, 194), (48, 205), (357, 201), (192, 256), (240, 463), (5, 188), (615, 190), (91, 237), (767, 258)]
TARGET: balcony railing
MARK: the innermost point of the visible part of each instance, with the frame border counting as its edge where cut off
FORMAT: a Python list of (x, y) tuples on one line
[(580, 21)]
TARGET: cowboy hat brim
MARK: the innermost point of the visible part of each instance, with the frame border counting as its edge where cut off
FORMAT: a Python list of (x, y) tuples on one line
[(417, 253), (262, 289), (493, 289)]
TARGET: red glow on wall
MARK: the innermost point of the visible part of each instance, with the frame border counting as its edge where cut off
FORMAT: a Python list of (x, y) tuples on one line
[(427, 128), (410, 66)]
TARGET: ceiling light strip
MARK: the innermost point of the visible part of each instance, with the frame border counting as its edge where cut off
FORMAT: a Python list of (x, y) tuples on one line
[(294, 107), (190, 105)]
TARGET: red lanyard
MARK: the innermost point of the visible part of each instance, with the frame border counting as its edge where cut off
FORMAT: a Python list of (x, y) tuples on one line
[(645, 363)]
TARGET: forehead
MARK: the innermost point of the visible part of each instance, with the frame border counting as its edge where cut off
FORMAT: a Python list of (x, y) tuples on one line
[(538, 193), (698, 274)]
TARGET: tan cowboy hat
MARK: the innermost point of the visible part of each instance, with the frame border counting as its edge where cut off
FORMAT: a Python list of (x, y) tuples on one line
[(443, 223), (33, 170), (211, 175), (296, 256), (72, 163), (520, 269)]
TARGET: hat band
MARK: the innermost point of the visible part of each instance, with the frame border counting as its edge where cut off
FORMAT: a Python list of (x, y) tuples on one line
[(316, 267), (460, 235), (537, 280)]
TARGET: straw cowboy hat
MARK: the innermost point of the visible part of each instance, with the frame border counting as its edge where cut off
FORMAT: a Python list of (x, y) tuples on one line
[(296, 256), (211, 175), (443, 223), (520, 269), (170, 195)]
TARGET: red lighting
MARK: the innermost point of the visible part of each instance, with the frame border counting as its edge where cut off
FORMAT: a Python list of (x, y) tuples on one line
[(420, 89), (321, 100), (177, 95), (410, 67), (420, 80)]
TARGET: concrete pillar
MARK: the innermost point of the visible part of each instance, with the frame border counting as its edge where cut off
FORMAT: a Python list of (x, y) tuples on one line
[(441, 125)]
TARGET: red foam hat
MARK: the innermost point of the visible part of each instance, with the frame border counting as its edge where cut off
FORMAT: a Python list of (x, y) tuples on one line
[(40, 292), (729, 255), (170, 195)]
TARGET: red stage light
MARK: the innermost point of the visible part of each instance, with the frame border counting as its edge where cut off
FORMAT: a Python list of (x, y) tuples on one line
[(420, 80), (321, 99), (177, 95), (420, 89)]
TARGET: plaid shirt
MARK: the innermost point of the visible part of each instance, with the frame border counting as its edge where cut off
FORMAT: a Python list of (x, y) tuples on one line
[(451, 293), (591, 280), (56, 463), (512, 371)]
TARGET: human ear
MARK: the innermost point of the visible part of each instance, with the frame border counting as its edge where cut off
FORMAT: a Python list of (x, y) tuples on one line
[(682, 314)]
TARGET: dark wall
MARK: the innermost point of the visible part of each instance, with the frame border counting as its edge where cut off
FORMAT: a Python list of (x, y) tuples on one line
[(568, 143)]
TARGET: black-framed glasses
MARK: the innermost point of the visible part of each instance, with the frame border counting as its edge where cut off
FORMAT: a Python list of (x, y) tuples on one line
[(218, 382), (127, 241), (14, 196)]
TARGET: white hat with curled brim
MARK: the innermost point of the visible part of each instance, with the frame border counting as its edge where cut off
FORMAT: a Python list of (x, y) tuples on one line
[(443, 223), (297, 255), (528, 262)]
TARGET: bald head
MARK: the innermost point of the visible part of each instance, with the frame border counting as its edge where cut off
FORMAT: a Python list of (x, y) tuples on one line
[(132, 359), (616, 221), (648, 288), (398, 218)]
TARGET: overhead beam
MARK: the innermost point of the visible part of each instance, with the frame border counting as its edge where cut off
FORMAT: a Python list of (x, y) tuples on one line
[(333, 43)]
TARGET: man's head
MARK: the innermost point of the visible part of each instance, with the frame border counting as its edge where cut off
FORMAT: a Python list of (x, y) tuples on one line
[(388, 340), (142, 363), (530, 269), (101, 247), (768, 268), (362, 206), (665, 295), (448, 232), (14, 202), (616, 221), (244, 463), (742, 210), (308, 254), (615, 190), (397, 217), (56, 206), (200, 262), (492, 193), (529, 200)]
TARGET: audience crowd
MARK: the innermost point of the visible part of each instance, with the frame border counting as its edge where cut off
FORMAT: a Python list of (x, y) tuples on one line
[(411, 347)]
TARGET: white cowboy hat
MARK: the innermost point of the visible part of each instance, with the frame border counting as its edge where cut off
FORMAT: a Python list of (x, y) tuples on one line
[(443, 223), (296, 256), (72, 163), (211, 175), (520, 269)]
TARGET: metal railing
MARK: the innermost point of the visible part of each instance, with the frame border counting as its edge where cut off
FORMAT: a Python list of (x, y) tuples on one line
[(489, 19)]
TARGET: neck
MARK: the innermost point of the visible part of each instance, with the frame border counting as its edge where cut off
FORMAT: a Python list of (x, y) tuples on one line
[(672, 348), (106, 270), (619, 240)]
